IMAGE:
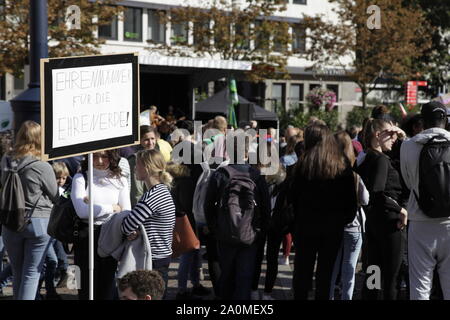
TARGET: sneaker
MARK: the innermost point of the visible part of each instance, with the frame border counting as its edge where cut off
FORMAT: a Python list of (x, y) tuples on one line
[(201, 291), (267, 296), (284, 261), (254, 295)]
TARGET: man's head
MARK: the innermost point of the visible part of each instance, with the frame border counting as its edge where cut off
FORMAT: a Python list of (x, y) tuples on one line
[(220, 123), (434, 115), (141, 285)]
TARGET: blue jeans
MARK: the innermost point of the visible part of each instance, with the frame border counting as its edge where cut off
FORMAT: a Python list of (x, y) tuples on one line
[(63, 263), (346, 262), (48, 271), (27, 252), (237, 264), (5, 276), (190, 264), (2, 253)]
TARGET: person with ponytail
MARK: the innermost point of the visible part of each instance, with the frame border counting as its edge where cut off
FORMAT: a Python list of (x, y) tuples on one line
[(386, 214), (155, 210)]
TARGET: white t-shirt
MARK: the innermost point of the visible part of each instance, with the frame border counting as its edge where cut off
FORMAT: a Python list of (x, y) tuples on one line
[(106, 191)]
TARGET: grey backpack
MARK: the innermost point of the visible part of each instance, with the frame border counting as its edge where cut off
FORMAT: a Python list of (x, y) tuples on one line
[(237, 209), (13, 214)]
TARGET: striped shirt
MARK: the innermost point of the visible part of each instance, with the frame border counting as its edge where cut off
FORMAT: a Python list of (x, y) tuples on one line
[(156, 212)]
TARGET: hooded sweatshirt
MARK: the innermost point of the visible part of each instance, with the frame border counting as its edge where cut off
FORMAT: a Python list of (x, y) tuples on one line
[(38, 182), (409, 155)]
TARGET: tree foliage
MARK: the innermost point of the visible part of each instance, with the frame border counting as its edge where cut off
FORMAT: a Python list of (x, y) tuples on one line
[(226, 31), (369, 55), (14, 30)]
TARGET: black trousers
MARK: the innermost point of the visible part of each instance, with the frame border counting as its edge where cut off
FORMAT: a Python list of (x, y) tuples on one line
[(261, 243), (310, 245), (274, 241), (104, 271), (213, 262), (384, 249)]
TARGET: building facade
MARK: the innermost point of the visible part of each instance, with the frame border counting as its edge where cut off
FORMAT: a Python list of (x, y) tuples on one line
[(140, 25)]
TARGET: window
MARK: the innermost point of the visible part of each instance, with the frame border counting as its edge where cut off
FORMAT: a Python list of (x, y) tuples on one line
[(312, 86), (242, 32), (262, 39), (296, 95), (298, 38), (280, 41), (132, 24), (156, 29), (222, 35), (109, 31), (19, 83), (201, 34), (299, 1), (179, 33), (335, 89), (279, 94)]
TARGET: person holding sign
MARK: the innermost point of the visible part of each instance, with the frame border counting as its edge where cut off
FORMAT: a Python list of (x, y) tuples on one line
[(155, 211), (110, 190)]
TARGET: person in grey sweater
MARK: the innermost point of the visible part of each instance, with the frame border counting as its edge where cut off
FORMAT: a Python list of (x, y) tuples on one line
[(27, 249)]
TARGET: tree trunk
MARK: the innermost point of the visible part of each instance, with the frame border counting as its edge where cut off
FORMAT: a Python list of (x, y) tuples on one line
[(364, 96)]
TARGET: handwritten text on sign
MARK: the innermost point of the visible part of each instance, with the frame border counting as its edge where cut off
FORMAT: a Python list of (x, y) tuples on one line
[(92, 103)]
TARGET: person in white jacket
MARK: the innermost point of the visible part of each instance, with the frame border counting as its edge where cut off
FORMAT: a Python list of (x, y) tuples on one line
[(428, 238), (110, 196)]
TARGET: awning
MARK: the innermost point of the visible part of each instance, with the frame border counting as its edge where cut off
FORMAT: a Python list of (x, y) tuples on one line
[(187, 62)]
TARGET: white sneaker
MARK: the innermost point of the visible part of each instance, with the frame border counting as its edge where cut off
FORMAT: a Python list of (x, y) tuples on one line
[(254, 295), (283, 261), (266, 296)]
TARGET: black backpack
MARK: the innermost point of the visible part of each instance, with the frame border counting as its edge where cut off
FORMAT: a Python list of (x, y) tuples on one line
[(235, 221), (13, 213), (434, 178), (64, 224)]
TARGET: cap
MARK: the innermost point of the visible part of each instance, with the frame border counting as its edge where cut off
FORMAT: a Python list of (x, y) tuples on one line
[(433, 110)]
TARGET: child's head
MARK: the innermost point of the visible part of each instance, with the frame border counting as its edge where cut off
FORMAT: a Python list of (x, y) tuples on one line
[(61, 173)]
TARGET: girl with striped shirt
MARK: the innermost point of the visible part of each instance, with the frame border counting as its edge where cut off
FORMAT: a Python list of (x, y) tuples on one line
[(155, 210)]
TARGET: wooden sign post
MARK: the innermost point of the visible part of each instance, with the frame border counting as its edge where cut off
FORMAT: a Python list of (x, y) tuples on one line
[(89, 104)]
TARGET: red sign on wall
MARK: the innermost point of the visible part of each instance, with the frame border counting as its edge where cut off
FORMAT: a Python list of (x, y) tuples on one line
[(411, 91)]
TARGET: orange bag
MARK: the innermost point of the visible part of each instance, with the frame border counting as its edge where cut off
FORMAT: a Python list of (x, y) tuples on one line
[(184, 238)]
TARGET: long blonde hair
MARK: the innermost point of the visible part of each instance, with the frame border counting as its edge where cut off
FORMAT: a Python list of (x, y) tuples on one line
[(28, 140), (155, 165)]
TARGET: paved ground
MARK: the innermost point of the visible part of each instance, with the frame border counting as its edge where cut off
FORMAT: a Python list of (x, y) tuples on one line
[(282, 289)]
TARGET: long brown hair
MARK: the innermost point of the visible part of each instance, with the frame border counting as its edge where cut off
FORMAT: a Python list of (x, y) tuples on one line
[(28, 140), (114, 159), (322, 159), (370, 128), (345, 143)]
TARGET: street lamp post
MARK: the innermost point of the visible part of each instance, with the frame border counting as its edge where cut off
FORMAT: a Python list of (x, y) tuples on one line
[(26, 106)]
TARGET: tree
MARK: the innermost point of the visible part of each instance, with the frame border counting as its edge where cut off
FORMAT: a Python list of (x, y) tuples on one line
[(14, 30), (225, 30), (436, 59), (367, 55)]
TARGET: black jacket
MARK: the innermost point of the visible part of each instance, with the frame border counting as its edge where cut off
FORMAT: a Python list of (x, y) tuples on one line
[(383, 182), (323, 205), (220, 179)]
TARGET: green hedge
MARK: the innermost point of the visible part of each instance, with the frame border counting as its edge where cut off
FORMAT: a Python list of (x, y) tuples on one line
[(300, 119)]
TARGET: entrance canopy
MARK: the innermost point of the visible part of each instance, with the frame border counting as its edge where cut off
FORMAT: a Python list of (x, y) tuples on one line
[(219, 103)]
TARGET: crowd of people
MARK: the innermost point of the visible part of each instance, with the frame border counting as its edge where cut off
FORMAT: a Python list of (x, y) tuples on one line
[(337, 198)]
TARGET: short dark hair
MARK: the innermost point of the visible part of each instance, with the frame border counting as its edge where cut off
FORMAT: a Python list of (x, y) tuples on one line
[(146, 129), (143, 283)]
